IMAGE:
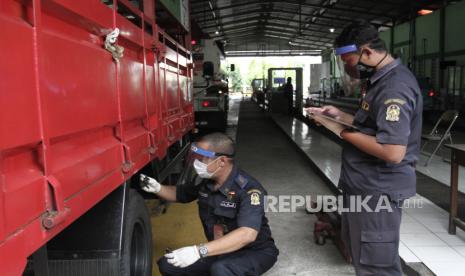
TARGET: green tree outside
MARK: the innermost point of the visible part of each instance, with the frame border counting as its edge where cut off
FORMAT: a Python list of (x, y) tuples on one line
[(235, 80)]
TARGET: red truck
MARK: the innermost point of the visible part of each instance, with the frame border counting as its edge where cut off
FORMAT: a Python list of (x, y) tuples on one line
[(92, 93)]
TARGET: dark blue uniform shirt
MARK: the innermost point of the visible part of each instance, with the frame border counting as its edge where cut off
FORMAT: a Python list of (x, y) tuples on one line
[(392, 112), (239, 202)]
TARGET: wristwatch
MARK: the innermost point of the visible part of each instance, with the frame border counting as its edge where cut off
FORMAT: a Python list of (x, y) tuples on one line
[(203, 250)]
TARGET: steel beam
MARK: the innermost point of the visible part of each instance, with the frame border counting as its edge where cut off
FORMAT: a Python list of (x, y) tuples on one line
[(249, 19), (271, 24), (279, 30), (278, 11), (298, 2), (262, 33)]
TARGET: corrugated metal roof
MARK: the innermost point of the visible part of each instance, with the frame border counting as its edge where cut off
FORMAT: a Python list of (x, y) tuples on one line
[(295, 25)]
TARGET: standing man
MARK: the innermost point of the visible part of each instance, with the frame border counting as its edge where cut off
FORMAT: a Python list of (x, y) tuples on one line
[(231, 208), (379, 157), (288, 90)]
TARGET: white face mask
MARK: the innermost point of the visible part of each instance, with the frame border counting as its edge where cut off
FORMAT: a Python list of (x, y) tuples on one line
[(202, 169)]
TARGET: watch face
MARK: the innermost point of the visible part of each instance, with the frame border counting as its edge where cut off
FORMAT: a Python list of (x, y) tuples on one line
[(203, 251)]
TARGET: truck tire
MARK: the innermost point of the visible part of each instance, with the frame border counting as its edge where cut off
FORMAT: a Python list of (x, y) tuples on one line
[(136, 256), (225, 122)]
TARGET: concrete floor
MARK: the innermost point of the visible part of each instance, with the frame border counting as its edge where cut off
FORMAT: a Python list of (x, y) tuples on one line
[(266, 153)]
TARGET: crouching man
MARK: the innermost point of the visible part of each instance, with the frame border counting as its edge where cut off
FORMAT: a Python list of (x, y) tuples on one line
[(231, 208)]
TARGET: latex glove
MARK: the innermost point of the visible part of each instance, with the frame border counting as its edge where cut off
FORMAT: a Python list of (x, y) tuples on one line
[(150, 185), (183, 257), (334, 127)]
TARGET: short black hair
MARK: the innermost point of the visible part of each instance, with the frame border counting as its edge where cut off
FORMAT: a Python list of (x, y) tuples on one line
[(219, 143), (360, 32)]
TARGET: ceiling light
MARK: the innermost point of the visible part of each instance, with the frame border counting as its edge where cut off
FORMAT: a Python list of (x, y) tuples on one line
[(424, 12), (217, 32), (331, 30)]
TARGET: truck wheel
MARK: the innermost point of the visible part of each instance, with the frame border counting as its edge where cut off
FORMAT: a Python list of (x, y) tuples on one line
[(225, 122), (136, 258)]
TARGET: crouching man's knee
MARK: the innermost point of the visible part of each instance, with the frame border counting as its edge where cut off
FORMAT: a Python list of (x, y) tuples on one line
[(219, 268), (167, 269)]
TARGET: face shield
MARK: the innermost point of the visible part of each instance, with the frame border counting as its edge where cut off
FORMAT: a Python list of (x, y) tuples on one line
[(347, 59), (189, 175)]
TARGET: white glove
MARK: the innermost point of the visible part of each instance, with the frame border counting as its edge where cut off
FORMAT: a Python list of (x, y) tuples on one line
[(183, 257), (150, 185)]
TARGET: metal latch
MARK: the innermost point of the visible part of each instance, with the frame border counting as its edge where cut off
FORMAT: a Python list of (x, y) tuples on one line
[(128, 164), (111, 46), (59, 212), (153, 145)]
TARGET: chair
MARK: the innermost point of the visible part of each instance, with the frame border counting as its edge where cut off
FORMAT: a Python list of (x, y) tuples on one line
[(447, 118)]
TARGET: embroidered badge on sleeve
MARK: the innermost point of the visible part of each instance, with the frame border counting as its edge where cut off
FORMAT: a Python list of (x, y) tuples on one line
[(393, 113), (254, 199)]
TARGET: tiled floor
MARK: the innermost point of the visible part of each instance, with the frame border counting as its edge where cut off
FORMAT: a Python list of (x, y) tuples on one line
[(424, 236), (439, 170)]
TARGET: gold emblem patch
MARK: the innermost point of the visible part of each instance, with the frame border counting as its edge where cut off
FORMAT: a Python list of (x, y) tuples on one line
[(365, 106), (254, 191), (393, 113), (231, 195), (394, 101), (254, 199)]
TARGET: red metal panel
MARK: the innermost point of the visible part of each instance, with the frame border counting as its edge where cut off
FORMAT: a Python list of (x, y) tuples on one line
[(183, 88), (82, 159), (136, 146), (128, 30), (24, 189), (79, 14), (78, 83), (18, 103), (150, 83), (22, 185), (132, 95), (14, 251), (171, 55), (172, 91), (149, 8), (79, 91), (131, 83), (182, 61), (163, 88), (80, 101), (76, 129), (2, 204), (148, 38)]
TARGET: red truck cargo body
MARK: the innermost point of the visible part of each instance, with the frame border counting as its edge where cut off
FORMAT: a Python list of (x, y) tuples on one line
[(74, 123)]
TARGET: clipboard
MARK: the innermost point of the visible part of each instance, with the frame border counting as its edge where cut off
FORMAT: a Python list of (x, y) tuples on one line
[(334, 120)]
